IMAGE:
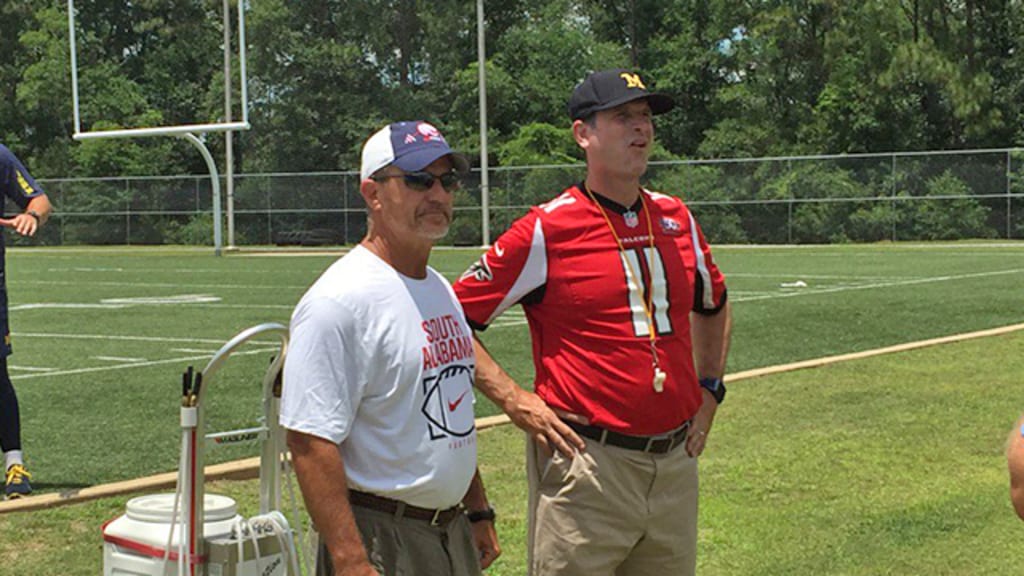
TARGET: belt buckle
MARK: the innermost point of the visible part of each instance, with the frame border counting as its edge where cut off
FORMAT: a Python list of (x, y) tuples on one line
[(436, 519), (652, 442), (679, 436)]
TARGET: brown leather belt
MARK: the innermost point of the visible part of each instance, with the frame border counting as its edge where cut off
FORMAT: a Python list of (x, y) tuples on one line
[(651, 444), (402, 510)]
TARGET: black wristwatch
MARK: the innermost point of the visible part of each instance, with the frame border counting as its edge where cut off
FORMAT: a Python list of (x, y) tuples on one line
[(481, 515), (715, 386)]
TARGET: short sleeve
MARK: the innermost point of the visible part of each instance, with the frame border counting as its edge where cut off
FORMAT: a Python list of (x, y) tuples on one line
[(514, 267), (321, 389), (16, 182), (710, 292)]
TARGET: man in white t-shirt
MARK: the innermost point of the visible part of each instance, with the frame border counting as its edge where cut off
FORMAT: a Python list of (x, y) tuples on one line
[(378, 382)]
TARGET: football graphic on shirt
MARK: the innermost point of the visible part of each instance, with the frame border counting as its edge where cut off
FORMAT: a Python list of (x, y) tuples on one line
[(448, 403)]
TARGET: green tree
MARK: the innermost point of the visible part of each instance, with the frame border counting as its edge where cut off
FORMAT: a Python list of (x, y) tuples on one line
[(948, 212), (536, 64), (31, 96)]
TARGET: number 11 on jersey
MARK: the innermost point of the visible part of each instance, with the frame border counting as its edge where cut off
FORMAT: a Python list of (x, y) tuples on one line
[(657, 289)]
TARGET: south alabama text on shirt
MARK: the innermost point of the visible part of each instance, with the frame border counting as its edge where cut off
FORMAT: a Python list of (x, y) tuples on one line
[(447, 342)]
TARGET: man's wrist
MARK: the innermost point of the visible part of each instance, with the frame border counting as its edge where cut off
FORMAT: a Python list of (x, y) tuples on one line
[(485, 514), (715, 387), (34, 214)]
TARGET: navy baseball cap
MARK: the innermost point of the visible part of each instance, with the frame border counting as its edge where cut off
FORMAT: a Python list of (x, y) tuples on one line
[(610, 88), (411, 146)]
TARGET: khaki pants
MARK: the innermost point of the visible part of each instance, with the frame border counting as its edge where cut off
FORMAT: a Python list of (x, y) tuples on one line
[(612, 512), (408, 547)]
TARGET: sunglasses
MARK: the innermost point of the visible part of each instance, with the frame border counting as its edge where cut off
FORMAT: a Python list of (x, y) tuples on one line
[(423, 181)]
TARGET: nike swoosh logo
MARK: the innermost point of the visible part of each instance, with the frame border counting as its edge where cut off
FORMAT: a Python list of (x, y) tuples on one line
[(498, 250), (453, 405)]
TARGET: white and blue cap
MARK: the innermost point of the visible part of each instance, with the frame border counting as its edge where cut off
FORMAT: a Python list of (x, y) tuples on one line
[(411, 146)]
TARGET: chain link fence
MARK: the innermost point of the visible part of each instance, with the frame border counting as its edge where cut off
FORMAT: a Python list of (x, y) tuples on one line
[(788, 200)]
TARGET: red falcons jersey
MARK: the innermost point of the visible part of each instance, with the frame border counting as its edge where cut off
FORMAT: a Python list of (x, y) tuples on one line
[(590, 332)]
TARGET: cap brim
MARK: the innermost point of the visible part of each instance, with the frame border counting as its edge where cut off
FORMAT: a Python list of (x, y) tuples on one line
[(422, 158), (660, 103)]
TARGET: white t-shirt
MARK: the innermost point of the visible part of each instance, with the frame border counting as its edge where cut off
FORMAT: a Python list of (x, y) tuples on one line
[(383, 365)]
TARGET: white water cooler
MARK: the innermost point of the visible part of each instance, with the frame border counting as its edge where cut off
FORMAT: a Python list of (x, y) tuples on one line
[(134, 544), (147, 539)]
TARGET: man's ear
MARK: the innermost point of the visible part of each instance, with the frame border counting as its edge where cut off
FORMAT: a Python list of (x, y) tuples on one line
[(581, 131), (370, 190)]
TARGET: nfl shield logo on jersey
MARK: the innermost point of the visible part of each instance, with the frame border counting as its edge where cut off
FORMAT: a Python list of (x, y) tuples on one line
[(632, 220)]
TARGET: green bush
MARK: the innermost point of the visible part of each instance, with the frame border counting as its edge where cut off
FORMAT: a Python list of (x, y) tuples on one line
[(817, 222), (704, 191), (872, 222), (943, 217), (198, 231)]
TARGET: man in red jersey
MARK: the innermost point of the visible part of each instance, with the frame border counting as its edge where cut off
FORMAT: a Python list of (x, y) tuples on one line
[(630, 326)]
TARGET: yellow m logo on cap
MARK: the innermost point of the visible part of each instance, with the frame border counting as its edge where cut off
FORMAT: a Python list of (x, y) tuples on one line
[(632, 80)]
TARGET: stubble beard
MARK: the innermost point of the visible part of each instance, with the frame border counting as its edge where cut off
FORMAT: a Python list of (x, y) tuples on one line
[(429, 230)]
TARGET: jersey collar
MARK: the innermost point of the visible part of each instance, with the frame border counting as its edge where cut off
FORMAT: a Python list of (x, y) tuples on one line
[(612, 205)]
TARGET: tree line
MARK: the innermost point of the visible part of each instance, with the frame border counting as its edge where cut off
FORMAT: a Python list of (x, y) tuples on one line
[(752, 78)]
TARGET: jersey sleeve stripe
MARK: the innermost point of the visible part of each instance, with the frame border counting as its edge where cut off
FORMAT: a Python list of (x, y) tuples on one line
[(708, 292), (533, 274), (24, 184)]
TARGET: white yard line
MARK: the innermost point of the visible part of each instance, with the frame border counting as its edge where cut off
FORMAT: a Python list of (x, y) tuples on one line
[(798, 276), (124, 338), (927, 280), (31, 368), (498, 324), (115, 306), (119, 359), (740, 295), (136, 365), (134, 270), (880, 247), (67, 305), (177, 285)]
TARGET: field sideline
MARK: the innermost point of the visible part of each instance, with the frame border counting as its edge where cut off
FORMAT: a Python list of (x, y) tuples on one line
[(101, 335), (885, 465), (856, 468), (249, 467)]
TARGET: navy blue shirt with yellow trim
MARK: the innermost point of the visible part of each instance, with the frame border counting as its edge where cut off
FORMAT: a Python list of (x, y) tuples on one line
[(16, 184)]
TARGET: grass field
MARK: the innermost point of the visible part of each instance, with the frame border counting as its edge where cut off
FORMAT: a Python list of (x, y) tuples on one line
[(888, 465), (874, 467)]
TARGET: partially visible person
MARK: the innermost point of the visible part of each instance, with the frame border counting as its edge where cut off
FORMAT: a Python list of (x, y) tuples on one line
[(22, 189), (630, 322), (1015, 462), (378, 382)]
